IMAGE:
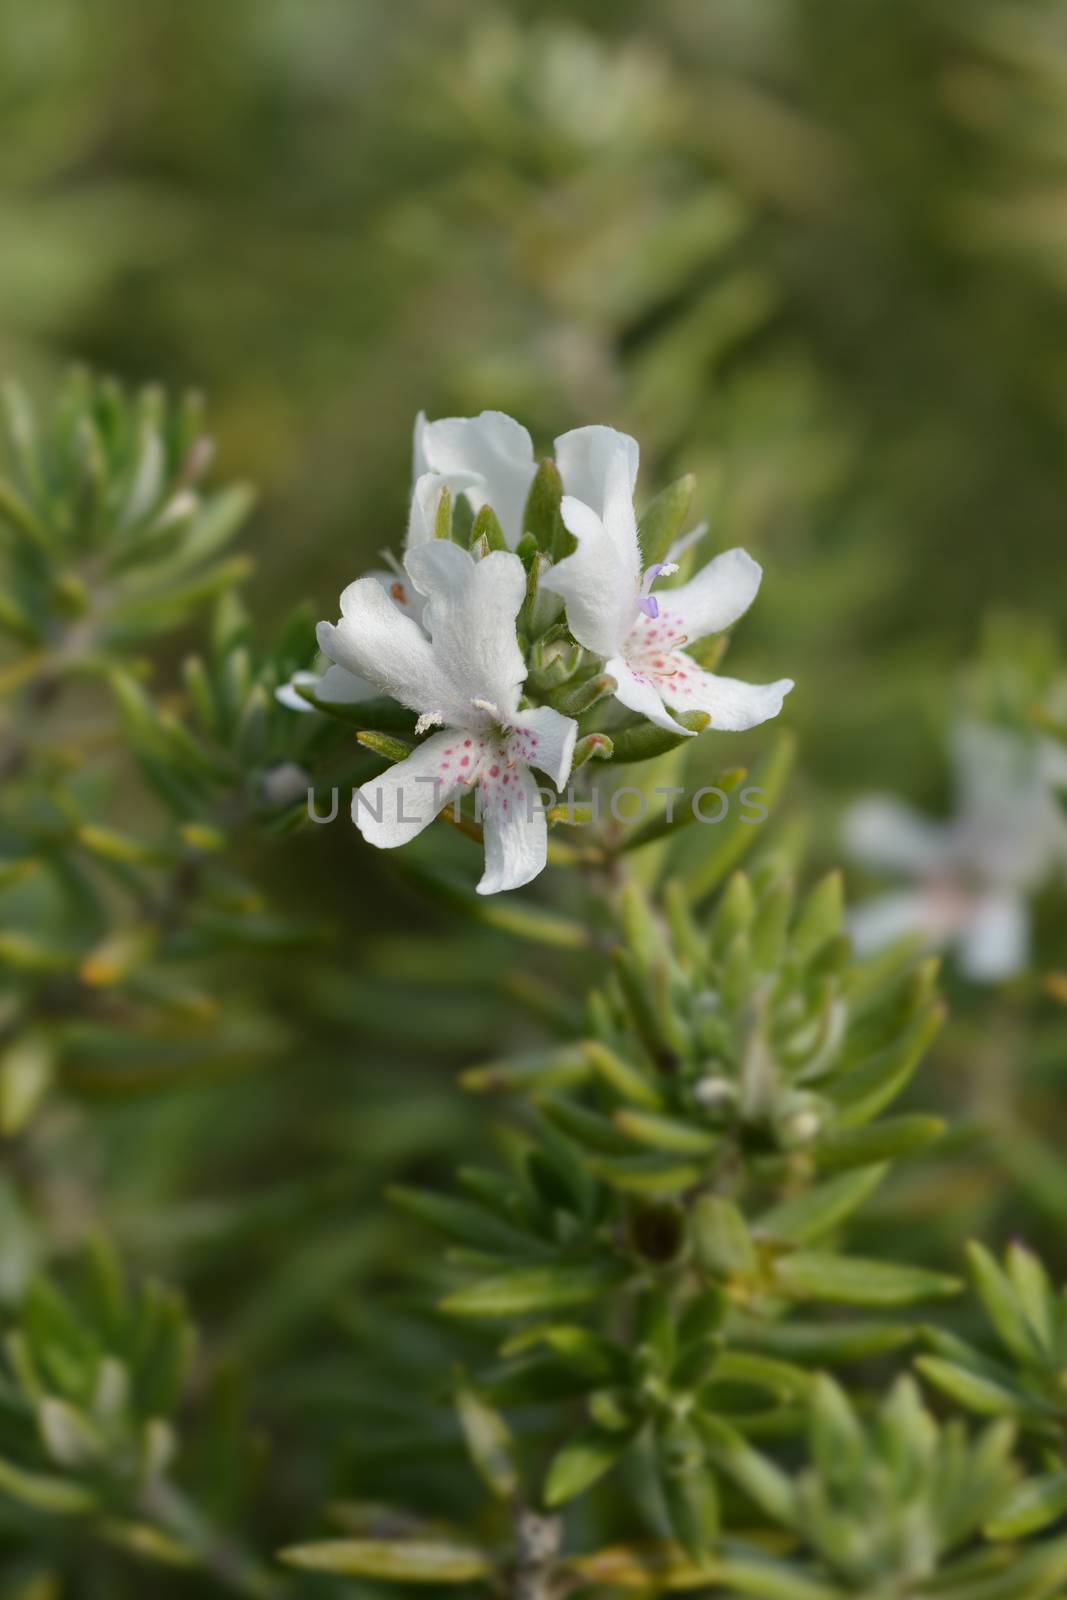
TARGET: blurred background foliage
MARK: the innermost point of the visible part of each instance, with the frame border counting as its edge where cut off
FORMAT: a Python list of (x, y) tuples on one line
[(817, 255)]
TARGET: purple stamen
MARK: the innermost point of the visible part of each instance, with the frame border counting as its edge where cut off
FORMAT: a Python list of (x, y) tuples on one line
[(647, 602)]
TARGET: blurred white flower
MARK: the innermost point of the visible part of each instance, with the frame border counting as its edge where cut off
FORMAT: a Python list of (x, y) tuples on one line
[(284, 784), (463, 674), (612, 611), (971, 877)]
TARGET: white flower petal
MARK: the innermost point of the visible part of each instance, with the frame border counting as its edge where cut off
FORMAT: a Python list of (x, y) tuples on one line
[(599, 583), (284, 784), (888, 917), (470, 615), (376, 641), (885, 833), (1009, 830), (1052, 763), (546, 741), (732, 705), (425, 499), (515, 830), (585, 458), (400, 589), (418, 447), (392, 809), (638, 694), (286, 693), (716, 596), (995, 943), (339, 687), (493, 456)]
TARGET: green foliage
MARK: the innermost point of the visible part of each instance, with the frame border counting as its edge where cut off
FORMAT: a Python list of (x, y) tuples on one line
[(99, 1378), (112, 933)]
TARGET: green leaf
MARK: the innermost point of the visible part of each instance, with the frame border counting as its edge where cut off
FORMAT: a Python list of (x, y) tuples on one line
[(400, 1560), (146, 1542), (464, 1221), (690, 1490), (583, 1459), (835, 1437), (852, 1280), (771, 924), (1002, 1305), (1034, 1291), (890, 1140), (30, 952), (27, 1068), (823, 1208), (578, 1348), (541, 609), (782, 1378), (721, 1240), (647, 1174), (486, 526), (868, 1089), (645, 740), (503, 912), (830, 1343), (513, 1294), (15, 510), (489, 1441), (670, 1134), (680, 814), (663, 519), (658, 1568), (970, 1389), (541, 516), (626, 1079), (737, 833), (442, 526), (589, 1128), (761, 1479), (821, 918), (384, 745), (58, 1497), (116, 846), (574, 698), (764, 1579), (530, 1073), (1032, 1505), (14, 618), (593, 747)]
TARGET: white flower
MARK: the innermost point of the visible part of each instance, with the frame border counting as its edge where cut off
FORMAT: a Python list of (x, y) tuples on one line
[(612, 611), (973, 875), (489, 459), (610, 608), (335, 685), (464, 675), (284, 784)]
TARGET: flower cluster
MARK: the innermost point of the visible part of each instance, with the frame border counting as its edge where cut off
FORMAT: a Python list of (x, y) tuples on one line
[(525, 596)]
